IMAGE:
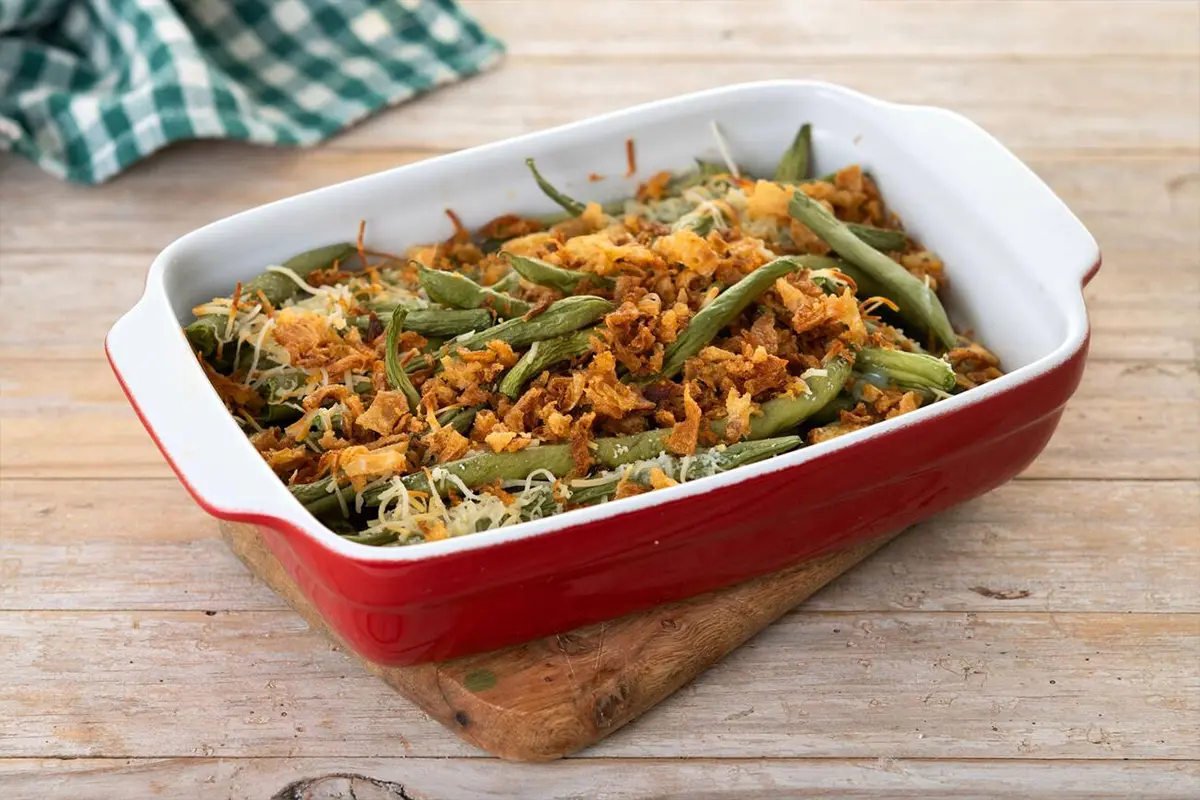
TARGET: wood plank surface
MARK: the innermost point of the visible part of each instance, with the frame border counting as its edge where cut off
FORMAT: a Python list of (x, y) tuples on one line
[(359, 778), (1137, 201), (928, 29), (1026, 103), (817, 684), (550, 698), (1020, 548), (1023, 645)]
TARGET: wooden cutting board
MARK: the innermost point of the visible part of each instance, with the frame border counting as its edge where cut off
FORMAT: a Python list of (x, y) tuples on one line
[(549, 698)]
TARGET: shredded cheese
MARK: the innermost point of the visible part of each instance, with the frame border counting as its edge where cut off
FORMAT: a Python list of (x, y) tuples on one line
[(440, 474), (684, 464), (258, 344), (291, 273), (341, 500), (723, 146)]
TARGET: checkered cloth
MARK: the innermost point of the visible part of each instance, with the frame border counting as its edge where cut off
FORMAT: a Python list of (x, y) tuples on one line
[(87, 87)]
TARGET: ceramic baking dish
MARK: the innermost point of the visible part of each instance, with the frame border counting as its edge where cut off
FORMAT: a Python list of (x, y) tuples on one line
[(1016, 260)]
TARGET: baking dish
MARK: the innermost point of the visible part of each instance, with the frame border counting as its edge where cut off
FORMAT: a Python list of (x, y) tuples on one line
[(1016, 259)]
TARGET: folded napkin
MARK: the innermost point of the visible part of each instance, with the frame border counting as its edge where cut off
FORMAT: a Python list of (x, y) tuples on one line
[(87, 87)]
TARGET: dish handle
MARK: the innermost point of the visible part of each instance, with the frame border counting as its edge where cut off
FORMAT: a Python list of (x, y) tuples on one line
[(1011, 193), (198, 437)]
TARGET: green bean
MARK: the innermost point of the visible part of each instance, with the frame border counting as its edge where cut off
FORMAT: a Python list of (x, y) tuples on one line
[(277, 414), (460, 418), (472, 471), (374, 539), (701, 219), (335, 421), (388, 306), (569, 204), (833, 409), (706, 462), (709, 321), (321, 424), (818, 263), (435, 322), (279, 288), (615, 451), (563, 316), (315, 495), (907, 370), (918, 303), (447, 322), (284, 383), (866, 285), (208, 330), (543, 354), (698, 177), (866, 288), (346, 529), (778, 415), (565, 280), (483, 468), (445, 415), (282, 410), (396, 376), (509, 284), (785, 413), (830, 284), (459, 291), (882, 239), (793, 167)]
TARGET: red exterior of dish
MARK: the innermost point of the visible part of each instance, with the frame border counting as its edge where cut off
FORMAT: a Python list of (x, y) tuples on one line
[(477, 600)]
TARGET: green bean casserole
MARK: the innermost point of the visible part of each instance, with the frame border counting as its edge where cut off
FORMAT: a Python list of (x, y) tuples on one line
[(544, 364)]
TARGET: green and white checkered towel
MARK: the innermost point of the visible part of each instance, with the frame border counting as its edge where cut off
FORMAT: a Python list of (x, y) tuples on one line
[(87, 87)]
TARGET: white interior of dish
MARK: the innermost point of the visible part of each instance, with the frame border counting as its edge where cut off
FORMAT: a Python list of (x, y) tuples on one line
[(1014, 253)]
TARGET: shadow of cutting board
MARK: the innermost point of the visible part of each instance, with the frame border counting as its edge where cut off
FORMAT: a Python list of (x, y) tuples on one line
[(551, 697)]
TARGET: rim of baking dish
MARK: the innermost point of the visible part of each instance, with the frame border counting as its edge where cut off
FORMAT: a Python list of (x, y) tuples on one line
[(279, 509)]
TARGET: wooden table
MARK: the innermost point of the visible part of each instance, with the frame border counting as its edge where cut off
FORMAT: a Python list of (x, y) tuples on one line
[(1043, 641)]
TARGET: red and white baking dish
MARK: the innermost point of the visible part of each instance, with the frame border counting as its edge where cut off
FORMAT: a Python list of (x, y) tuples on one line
[(1016, 259)]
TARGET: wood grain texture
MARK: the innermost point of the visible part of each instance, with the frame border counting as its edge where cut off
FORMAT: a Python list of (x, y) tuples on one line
[(1101, 98), (1024, 547), (549, 698), (1159, 195), (1027, 104), (358, 778), (927, 29), (912, 684)]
